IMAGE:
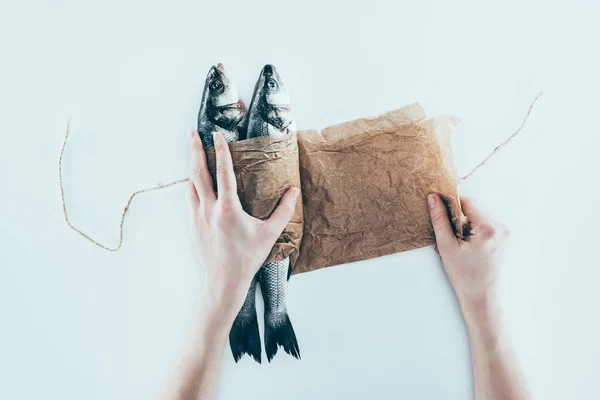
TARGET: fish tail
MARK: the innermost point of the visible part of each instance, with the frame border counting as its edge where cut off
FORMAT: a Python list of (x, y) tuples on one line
[(244, 337), (280, 332)]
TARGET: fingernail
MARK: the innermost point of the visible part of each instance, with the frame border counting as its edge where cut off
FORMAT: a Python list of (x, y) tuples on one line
[(295, 192), (217, 136), (431, 199)]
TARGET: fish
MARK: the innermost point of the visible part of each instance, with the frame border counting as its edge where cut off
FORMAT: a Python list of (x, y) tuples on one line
[(244, 337), (222, 110), (270, 114)]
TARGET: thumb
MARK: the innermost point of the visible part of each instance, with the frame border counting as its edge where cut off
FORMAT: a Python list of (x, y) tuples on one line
[(444, 234), (282, 214)]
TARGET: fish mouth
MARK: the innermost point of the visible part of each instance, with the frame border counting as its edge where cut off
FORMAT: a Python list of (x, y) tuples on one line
[(268, 69), (230, 115), (231, 106), (217, 71), (281, 107)]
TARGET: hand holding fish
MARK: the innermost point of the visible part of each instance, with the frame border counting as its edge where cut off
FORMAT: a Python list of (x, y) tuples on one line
[(231, 244)]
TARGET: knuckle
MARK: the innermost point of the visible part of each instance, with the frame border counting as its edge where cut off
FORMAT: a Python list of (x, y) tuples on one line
[(221, 147), (437, 218), (197, 149), (222, 169), (195, 144), (491, 232), (198, 171), (226, 207)]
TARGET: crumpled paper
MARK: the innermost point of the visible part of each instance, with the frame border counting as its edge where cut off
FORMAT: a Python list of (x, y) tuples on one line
[(364, 186), (265, 168)]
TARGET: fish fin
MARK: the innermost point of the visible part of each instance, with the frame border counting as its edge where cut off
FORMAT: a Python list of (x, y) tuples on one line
[(280, 332), (244, 337)]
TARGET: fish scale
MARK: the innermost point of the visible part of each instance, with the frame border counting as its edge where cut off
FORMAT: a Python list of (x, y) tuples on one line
[(274, 280), (270, 114), (221, 110)]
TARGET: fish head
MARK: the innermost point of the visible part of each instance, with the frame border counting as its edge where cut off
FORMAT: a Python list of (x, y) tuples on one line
[(275, 91), (221, 103), (274, 100), (221, 90)]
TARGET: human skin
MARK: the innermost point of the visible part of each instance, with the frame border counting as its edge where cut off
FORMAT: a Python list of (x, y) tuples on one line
[(472, 266), (232, 246)]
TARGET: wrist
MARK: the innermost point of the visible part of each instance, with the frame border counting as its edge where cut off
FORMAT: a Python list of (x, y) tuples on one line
[(226, 292), (215, 315), (482, 310), (484, 322)]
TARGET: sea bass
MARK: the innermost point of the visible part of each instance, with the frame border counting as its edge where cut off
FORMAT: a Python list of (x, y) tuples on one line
[(222, 110), (270, 114)]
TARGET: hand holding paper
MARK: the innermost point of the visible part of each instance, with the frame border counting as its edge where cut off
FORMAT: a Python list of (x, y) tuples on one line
[(472, 265)]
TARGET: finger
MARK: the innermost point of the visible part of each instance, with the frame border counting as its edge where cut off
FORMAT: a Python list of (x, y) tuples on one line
[(200, 174), (483, 227), (282, 214), (192, 196), (444, 234), (226, 184), (475, 214)]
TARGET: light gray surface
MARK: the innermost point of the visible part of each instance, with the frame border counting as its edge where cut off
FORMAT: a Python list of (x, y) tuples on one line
[(80, 323)]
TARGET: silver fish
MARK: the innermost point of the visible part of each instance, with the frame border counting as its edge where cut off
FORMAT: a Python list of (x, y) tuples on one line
[(244, 337), (270, 114), (222, 110)]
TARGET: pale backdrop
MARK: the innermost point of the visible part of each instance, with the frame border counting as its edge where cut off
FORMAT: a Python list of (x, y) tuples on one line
[(77, 322)]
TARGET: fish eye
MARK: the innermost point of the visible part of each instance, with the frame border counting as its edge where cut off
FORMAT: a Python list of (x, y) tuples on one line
[(272, 84), (215, 85)]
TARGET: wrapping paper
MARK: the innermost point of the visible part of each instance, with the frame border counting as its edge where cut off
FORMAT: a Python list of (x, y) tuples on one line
[(364, 186), (265, 168)]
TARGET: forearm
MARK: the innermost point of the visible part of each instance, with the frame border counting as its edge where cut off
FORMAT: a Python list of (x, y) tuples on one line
[(497, 374), (197, 372)]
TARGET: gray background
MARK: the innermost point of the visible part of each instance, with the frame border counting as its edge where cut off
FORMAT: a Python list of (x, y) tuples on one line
[(80, 323)]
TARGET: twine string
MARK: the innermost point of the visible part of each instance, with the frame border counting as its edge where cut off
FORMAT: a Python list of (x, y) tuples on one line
[(125, 210), (511, 137), (176, 182)]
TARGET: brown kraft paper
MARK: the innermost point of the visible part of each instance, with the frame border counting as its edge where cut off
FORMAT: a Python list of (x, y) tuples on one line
[(364, 186), (265, 168)]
